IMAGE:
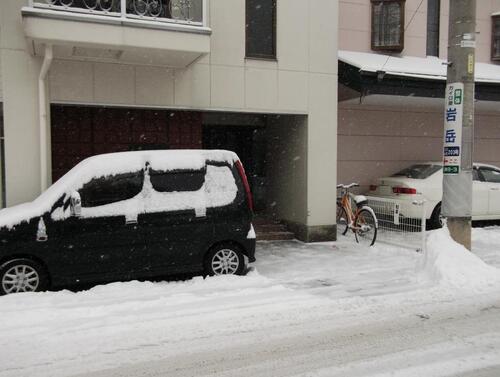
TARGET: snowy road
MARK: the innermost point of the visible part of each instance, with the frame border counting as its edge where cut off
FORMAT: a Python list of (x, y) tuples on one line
[(455, 343), (306, 310)]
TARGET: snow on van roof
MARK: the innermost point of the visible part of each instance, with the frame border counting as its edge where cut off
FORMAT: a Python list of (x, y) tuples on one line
[(108, 164)]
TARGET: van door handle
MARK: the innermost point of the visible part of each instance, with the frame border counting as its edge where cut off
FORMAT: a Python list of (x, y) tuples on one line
[(130, 219)]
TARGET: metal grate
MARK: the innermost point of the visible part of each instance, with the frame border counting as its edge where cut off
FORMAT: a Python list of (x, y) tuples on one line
[(400, 222), (192, 12)]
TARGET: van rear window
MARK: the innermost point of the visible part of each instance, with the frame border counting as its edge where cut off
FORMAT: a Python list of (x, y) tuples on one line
[(177, 181), (418, 171)]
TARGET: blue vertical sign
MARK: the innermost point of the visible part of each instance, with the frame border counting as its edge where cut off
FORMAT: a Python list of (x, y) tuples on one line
[(452, 156)]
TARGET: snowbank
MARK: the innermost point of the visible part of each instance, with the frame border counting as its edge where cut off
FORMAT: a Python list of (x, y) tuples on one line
[(451, 265)]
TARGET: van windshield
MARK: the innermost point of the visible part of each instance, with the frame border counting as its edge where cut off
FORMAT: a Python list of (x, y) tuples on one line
[(418, 171)]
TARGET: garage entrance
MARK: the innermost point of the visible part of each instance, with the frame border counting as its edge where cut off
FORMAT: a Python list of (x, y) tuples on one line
[(79, 132)]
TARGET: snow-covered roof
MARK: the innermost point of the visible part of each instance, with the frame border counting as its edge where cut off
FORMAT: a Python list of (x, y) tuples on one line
[(431, 68), (124, 162), (109, 164)]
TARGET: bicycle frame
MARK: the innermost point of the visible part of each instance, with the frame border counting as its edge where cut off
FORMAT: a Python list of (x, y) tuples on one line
[(345, 201), (356, 221)]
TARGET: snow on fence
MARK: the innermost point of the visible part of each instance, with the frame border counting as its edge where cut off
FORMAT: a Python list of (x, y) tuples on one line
[(400, 222)]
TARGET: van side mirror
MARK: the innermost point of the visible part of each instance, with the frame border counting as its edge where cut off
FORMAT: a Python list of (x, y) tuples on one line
[(76, 204)]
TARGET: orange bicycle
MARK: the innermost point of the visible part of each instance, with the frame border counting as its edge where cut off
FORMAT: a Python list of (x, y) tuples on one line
[(362, 222)]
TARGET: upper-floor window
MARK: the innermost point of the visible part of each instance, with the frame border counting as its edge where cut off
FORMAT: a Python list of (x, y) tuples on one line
[(433, 11), (495, 38), (388, 24), (261, 29)]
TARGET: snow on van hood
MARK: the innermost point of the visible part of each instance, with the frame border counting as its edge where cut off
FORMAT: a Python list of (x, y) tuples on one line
[(107, 164)]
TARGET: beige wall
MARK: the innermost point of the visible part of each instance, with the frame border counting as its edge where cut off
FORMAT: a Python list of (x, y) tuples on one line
[(1, 86), (20, 106), (302, 81), (287, 167), (355, 27), (377, 141), (223, 79)]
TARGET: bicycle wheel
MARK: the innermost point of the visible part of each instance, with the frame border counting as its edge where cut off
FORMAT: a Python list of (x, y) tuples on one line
[(342, 220), (365, 228)]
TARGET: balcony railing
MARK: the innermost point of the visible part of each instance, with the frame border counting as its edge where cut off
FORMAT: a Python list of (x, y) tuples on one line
[(190, 12)]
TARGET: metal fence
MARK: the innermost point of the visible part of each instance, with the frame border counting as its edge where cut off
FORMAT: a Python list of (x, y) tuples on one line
[(192, 12), (400, 222)]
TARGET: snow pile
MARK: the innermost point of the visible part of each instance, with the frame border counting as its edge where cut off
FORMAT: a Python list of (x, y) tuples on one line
[(452, 265)]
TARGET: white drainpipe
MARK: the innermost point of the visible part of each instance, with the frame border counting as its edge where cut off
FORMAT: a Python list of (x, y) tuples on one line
[(42, 104)]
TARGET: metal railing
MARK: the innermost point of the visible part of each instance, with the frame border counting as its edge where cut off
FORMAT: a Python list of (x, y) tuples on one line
[(191, 12), (400, 222)]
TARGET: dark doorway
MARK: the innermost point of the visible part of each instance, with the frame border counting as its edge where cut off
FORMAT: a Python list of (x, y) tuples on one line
[(249, 143)]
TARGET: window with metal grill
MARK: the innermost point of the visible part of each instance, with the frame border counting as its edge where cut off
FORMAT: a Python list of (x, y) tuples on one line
[(433, 12), (495, 37), (388, 25), (261, 29)]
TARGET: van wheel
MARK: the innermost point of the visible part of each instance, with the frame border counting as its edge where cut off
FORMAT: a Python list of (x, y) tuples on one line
[(225, 260), (436, 220), (22, 275)]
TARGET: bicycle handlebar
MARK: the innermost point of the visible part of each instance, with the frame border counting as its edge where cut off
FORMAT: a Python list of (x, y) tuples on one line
[(348, 186)]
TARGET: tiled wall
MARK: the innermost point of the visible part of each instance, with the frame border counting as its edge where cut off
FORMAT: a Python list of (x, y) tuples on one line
[(374, 142)]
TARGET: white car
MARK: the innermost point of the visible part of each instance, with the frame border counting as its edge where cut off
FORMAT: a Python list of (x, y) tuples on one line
[(424, 181)]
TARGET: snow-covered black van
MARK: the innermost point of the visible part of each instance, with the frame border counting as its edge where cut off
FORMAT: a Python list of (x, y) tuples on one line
[(131, 215)]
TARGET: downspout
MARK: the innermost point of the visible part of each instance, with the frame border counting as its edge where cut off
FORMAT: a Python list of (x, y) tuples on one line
[(42, 111)]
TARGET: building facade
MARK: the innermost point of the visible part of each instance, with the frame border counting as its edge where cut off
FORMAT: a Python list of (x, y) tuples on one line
[(392, 73), (84, 77)]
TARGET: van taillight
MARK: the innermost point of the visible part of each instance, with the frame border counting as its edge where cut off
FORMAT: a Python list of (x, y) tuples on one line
[(404, 190), (244, 179), (373, 187)]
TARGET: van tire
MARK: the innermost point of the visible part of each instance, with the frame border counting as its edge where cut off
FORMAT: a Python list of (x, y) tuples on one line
[(33, 270), (224, 259)]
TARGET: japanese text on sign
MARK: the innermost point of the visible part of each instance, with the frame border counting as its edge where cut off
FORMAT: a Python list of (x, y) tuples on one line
[(453, 128)]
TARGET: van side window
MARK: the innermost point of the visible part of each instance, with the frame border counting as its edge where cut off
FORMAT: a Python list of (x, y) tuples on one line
[(177, 181), (111, 189)]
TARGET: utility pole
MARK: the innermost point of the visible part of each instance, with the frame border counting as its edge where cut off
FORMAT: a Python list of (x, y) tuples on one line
[(459, 121)]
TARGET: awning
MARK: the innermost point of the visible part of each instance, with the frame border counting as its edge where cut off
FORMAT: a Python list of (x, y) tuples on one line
[(370, 73)]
